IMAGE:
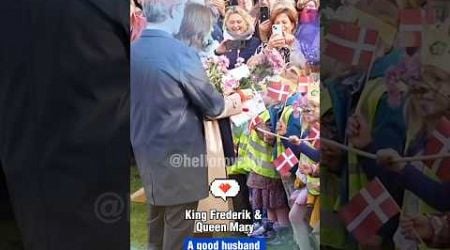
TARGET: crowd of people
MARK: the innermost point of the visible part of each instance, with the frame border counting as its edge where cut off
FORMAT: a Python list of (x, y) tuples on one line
[(243, 33), (394, 105), (386, 95)]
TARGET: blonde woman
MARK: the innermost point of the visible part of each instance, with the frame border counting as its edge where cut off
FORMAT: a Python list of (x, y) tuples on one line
[(240, 41)]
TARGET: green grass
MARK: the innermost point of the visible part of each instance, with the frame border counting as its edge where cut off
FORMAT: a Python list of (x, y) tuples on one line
[(138, 225), (139, 219)]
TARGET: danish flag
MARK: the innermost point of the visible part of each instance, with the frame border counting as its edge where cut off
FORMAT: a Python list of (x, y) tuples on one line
[(351, 44), (303, 83), (314, 133), (369, 210), (285, 162), (278, 91), (411, 26), (438, 143), (254, 122)]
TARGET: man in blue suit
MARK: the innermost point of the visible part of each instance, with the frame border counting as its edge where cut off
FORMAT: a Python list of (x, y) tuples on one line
[(170, 97)]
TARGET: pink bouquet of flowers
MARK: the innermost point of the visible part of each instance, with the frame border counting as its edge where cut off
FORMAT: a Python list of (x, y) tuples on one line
[(216, 70), (406, 72), (268, 63)]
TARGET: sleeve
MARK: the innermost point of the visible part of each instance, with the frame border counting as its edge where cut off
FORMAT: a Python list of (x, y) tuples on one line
[(435, 194), (388, 132), (196, 86), (294, 128)]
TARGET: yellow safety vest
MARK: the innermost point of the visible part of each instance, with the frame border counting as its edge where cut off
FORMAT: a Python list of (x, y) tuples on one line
[(241, 141), (369, 100), (332, 230), (259, 155)]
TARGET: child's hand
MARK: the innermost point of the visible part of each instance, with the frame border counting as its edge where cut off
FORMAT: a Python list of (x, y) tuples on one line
[(388, 158), (419, 225), (358, 131), (260, 134), (281, 128), (331, 157), (285, 175), (306, 169), (295, 140), (269, 139)]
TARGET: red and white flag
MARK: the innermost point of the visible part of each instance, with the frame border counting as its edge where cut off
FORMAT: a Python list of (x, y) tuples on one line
[(411, 26), (314, 133), (439, 143), (351, 44), (369, 210), (303, 83), (278, 91), (254, 122), (285, 162)]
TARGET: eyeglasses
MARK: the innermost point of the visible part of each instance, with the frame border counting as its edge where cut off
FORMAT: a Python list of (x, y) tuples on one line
[(306, 110)]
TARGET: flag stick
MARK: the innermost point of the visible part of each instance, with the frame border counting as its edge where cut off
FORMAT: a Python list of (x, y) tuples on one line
[(347, 148), (418, 237), (424, 157), (374, 157), (280, 136)]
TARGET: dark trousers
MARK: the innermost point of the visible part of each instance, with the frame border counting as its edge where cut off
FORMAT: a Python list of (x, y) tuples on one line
[(9, 230), (242, 200), (168, 227)]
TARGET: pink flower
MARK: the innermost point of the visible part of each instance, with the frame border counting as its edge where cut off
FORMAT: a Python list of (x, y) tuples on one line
[(223, 60), (406, 72), (231, 83), (274, 60)]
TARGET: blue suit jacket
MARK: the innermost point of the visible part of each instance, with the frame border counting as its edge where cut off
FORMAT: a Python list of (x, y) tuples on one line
[(170, 96)]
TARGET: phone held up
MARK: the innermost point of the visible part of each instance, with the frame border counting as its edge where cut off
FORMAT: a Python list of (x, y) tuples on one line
[(277, 29), (235, 44), (264, 14)]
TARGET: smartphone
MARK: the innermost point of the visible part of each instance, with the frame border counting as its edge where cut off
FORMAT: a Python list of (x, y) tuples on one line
[(277, 29), (233, 2), (235, 44), (264, 14)]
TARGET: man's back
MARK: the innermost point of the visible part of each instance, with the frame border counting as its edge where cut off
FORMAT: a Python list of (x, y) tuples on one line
[(171, 96)]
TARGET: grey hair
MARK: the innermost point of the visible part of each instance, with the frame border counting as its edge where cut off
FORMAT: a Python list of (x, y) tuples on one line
[(158, 11), (155, 13)]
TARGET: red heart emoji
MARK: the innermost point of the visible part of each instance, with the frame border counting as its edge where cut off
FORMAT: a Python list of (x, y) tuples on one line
[(225, 187)]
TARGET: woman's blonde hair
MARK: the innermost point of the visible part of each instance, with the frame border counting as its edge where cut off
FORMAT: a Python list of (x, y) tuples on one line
[(286, 8), (244, 14), (196, 26)]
